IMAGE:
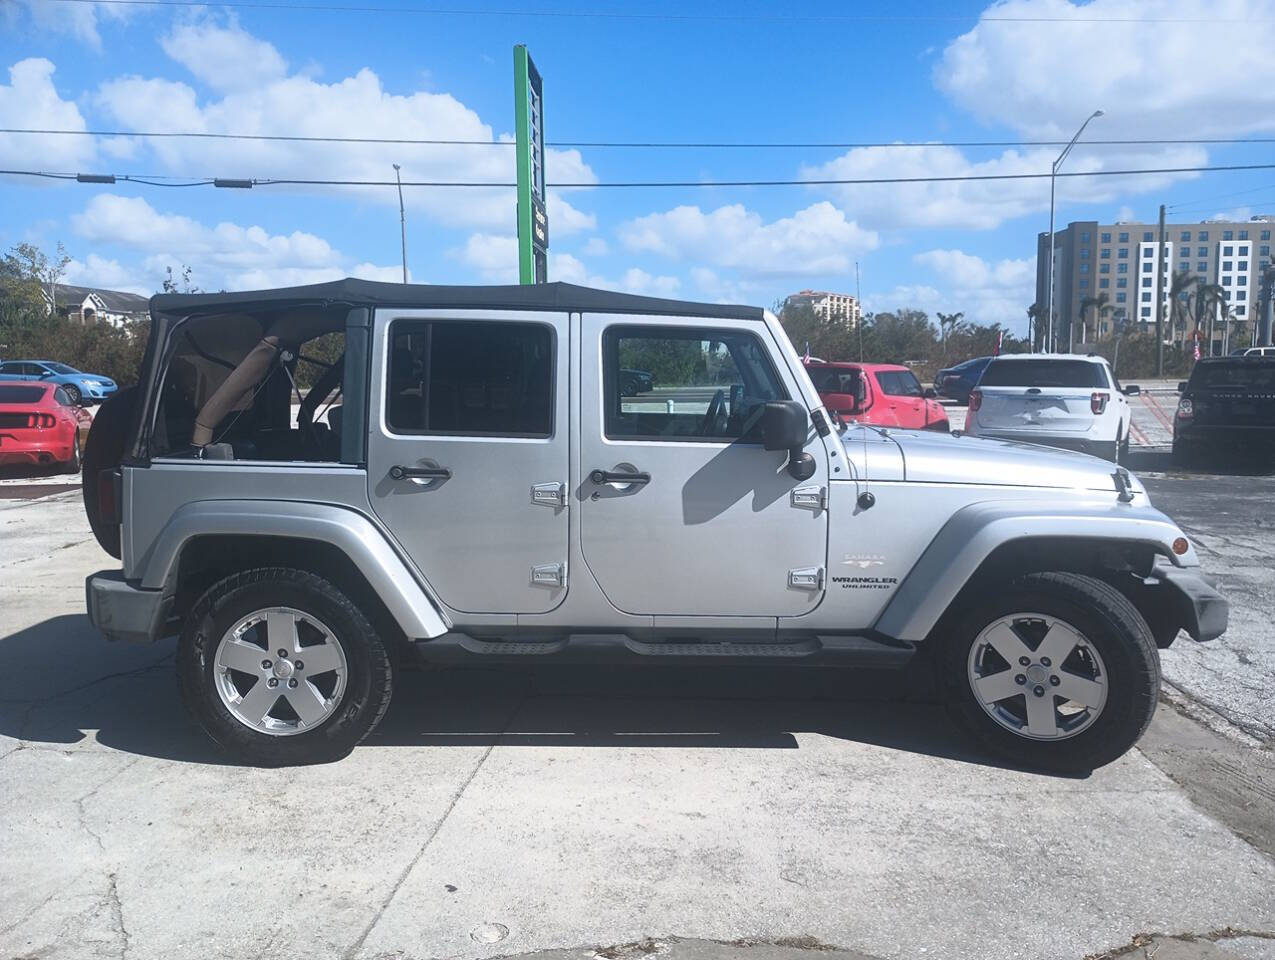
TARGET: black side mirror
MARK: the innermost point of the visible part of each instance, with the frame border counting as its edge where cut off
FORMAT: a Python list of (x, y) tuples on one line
[(785, 424), (1181, 386), (930, 393), (1133, 390)]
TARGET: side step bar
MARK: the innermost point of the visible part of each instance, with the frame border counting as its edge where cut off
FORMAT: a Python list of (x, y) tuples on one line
[(614, 648)]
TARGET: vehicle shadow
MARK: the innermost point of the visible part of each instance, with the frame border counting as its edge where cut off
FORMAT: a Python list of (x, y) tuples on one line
[(61, 683), (1222, 462)]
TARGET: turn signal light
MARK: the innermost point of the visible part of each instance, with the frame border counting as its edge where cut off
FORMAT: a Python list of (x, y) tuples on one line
[(976, 400), (1180, 546), (1098, 401), (1186, 409)]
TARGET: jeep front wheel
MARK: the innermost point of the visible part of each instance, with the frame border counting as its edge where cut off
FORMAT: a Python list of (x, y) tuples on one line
[(1056, 671), (279, 667)]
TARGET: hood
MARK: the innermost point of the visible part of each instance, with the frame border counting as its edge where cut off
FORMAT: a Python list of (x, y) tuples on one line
[(942, 458)]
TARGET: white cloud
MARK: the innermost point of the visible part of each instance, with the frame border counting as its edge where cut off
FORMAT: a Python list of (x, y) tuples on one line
[(985, 291), (225, 58), (79, 20), (596, 247), (253, 93), (816, 240), (495, 258), (98, 271), (983, 205), (1044, 79), (31, 100), (225, 255), (637, 280)]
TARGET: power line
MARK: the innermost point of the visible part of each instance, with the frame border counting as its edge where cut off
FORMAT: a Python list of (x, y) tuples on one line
[(247, 182), (644, 144), (675, 17), (1208, 201)]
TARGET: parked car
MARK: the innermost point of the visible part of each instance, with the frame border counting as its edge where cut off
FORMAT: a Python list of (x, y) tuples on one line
[(885, 394), (1260, 352), (956, 382), (1228, 401), (39, 424), (80, 387), (1064, 401), (501, 500)]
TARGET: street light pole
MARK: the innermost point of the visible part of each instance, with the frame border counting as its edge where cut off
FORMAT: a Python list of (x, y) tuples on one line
[(1053, 173), (402, 219)]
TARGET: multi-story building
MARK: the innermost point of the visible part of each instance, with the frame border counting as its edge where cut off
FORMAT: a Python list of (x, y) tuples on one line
[(828, 306), (1119, 259)]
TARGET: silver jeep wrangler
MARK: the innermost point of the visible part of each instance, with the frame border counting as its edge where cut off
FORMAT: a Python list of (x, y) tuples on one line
[(311, 484)]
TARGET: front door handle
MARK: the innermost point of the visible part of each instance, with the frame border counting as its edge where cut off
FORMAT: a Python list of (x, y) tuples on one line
[(610, 476), (419, 473)]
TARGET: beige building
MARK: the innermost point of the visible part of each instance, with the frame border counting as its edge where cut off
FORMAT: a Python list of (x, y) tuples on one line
[(828, 306)]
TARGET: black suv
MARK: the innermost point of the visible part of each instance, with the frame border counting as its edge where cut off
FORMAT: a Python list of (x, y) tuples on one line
[(1228, 401)]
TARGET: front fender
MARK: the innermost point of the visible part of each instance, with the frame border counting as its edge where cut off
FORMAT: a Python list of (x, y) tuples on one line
[(407, 598), (973, 532)]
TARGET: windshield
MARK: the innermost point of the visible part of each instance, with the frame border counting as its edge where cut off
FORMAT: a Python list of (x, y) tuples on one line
[(1043, 373), (1247, 375)]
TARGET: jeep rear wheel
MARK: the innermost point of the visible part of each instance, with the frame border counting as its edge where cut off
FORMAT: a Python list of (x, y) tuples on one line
[(1056, 671), (279, 667)]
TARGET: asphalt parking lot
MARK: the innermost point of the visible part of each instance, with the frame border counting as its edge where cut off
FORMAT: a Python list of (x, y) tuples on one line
[(500, 812)]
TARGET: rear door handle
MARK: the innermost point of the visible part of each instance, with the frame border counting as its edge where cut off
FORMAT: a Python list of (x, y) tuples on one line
[(419, 473), (609, 476)]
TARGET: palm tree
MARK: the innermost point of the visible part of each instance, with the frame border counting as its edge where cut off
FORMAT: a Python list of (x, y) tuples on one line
[(1208, 297), (1100, 306), (1179, 293), (949, 324), (1033, 324)]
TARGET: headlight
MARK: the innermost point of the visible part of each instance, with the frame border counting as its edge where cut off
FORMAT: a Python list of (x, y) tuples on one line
[(92, 383)]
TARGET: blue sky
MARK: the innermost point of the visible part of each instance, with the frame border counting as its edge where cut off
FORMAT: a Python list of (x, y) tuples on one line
[(958, 71)]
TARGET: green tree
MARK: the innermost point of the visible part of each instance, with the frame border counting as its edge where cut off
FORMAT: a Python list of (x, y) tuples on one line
[(1179, 299), (949, 323), (1097, 307)]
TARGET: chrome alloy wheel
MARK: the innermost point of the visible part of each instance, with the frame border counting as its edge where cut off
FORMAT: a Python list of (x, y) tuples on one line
[(1037, 676), (280, 671)]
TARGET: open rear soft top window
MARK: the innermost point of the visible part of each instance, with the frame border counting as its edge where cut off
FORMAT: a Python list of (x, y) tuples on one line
[(1043, 373), (13, 394)]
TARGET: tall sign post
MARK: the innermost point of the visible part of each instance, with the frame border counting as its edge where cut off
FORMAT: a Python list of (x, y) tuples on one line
[(529, 131)]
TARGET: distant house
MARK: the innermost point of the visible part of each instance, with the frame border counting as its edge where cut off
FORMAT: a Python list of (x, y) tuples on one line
[(89, 304)]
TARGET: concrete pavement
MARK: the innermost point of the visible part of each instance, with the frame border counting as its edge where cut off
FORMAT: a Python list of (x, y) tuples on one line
[(505, 812)]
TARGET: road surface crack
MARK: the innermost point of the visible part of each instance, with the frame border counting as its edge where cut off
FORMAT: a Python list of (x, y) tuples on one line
[(1141, 941), (357, 945)]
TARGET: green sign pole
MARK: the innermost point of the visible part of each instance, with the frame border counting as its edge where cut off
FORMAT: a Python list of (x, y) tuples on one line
[(533, 222)]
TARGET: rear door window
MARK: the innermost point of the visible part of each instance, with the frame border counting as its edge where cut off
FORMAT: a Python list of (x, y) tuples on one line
[(1043, 373), (470, 378), (899, 383)]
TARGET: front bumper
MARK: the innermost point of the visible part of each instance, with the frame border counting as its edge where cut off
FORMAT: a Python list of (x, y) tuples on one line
[(99, 392), (1200, 609), (125, 612)]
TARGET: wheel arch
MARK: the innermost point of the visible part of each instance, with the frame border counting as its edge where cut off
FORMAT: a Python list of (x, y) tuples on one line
[(207, 540), (985, 543)]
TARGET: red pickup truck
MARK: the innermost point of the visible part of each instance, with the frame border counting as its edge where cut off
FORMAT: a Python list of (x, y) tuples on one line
[(883, 394)]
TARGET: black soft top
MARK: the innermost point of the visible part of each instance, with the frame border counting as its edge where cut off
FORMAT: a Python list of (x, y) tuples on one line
[(540, 296)]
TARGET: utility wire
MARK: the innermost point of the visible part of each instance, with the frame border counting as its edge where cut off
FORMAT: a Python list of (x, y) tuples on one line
[(641, 144), (1206, 201), (829, 181), (537, 13)]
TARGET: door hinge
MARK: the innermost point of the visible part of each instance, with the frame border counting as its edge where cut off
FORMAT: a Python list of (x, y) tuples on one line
[(550, 494), (806, 578), (549, 574), (810, 498)]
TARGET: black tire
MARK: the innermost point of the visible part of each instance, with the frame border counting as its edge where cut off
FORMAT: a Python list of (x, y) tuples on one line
[(73, 393), (1184, 455), (1108, 621), (103, 450), (1107, 451), (73, 464), (368, 686)]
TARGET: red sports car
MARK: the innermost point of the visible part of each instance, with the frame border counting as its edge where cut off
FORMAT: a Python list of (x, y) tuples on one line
[(884, 394), (40, 425)]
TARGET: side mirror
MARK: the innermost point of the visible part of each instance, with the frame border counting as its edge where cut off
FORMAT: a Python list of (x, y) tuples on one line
[(931, 394), (785, 425), (1181, 386), (1132, 390), (45, 374)]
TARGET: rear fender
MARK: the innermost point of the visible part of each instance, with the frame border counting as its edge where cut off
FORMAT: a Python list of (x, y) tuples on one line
[(973, 533), (408, 598)]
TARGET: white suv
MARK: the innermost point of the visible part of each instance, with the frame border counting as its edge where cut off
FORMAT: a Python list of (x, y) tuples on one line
[(1061, 401)]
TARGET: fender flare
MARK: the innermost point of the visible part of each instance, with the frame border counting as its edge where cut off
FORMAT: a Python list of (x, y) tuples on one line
[(408, 598), (973, 532)]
